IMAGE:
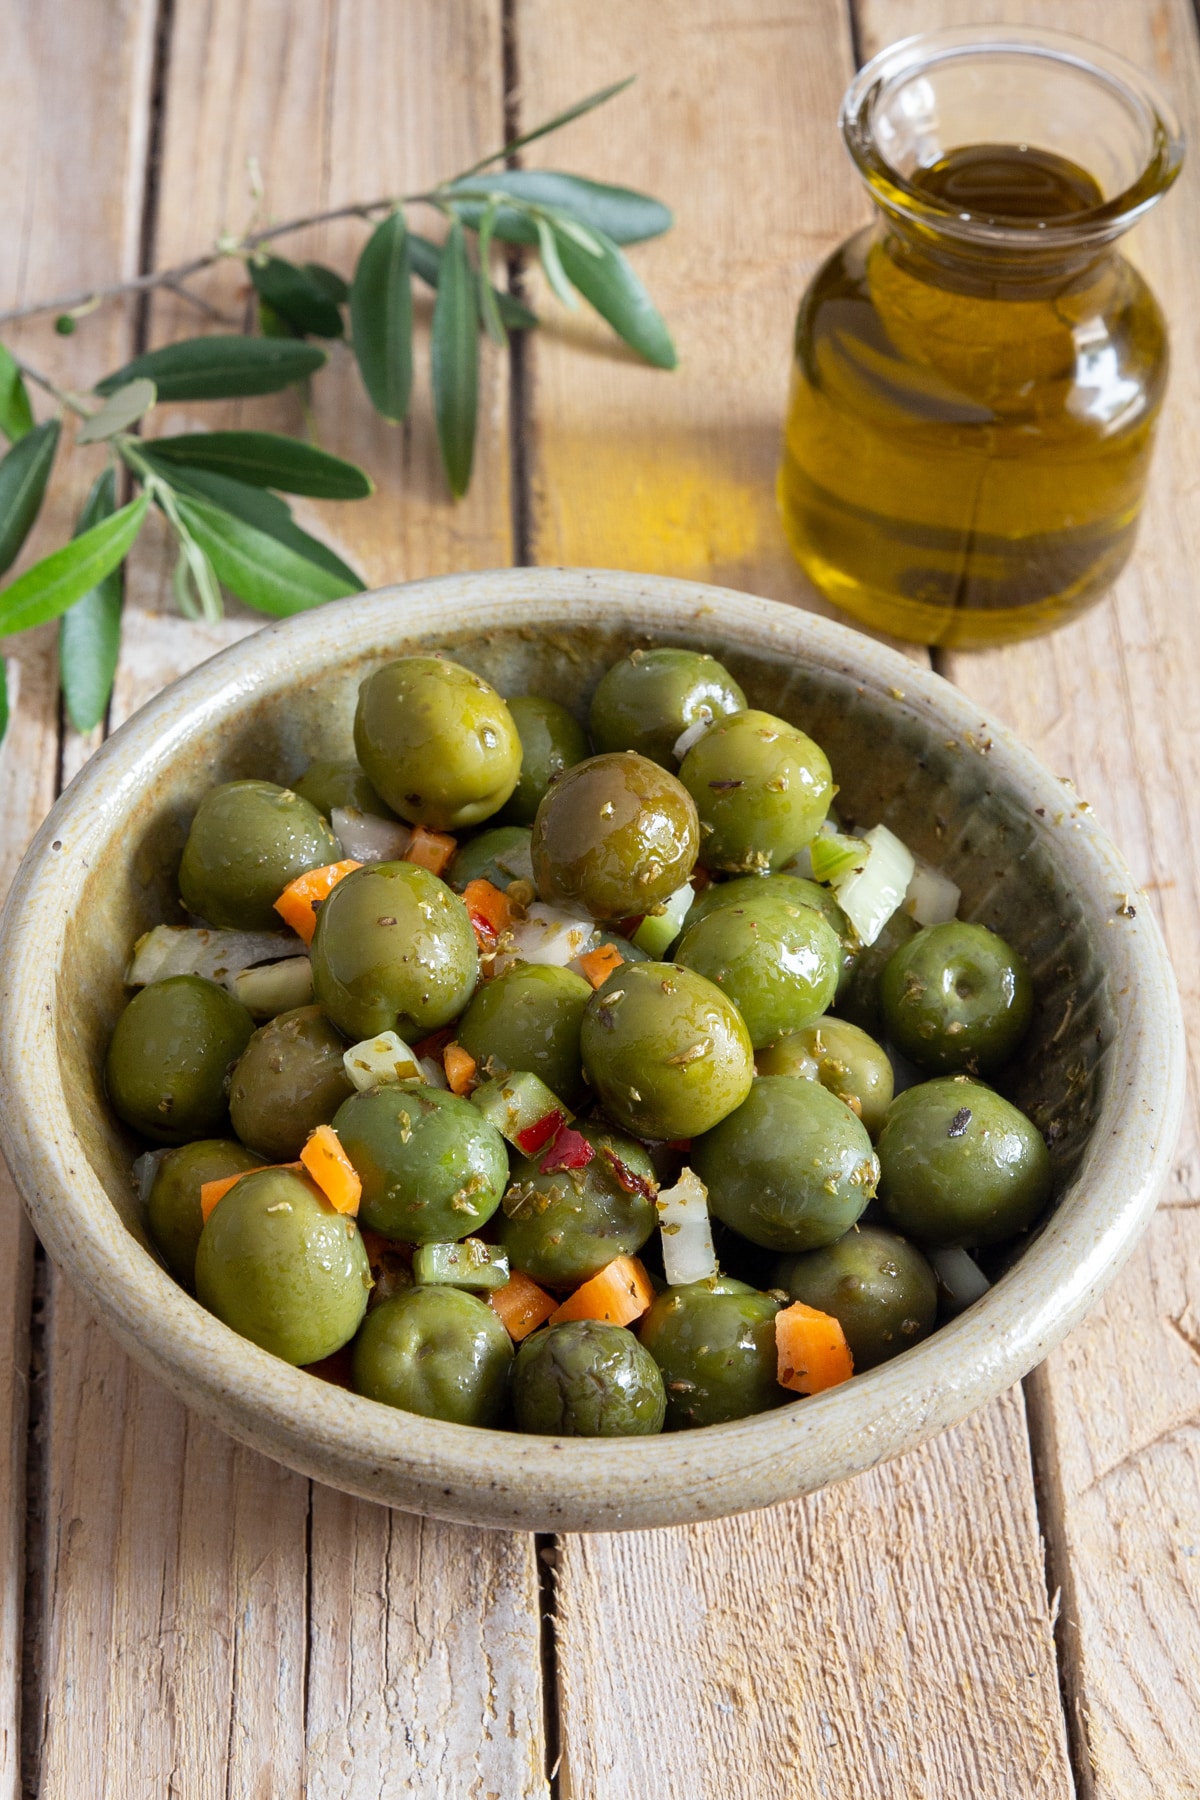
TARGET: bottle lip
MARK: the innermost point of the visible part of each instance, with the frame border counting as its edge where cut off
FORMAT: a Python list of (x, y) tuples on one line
[(911, 56)]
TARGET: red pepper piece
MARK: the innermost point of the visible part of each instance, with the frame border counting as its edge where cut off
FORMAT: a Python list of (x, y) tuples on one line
[(570, 1150), (629, 1179), (535, 1137)]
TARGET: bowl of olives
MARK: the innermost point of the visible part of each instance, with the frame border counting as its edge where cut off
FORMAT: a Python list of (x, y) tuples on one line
[(582, 1051)]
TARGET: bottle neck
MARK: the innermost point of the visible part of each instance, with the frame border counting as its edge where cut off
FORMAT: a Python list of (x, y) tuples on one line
[(972, 266)]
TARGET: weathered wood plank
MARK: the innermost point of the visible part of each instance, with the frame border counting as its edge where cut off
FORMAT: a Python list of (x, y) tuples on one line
[(891, 1636)]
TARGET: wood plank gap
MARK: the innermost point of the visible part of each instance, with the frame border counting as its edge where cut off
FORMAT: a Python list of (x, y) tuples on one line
[(148, 233), (1060, 1576), (519, 374), (36, 1487), (546, 1550), (856, 36)]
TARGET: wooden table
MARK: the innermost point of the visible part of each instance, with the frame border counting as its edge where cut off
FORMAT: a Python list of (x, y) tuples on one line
[(1013, 1611)]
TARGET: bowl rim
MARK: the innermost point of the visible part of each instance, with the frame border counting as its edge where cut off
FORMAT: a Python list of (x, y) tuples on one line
[(503, 1479)]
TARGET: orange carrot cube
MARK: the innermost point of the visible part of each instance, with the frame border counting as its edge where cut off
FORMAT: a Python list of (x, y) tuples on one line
[(521, 1304), (811, 1348), (620, 1293), (431, 849), (599, 964), (298, 903), (332, 1170)]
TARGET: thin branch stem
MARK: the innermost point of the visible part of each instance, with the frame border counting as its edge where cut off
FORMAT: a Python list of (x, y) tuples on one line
[(71, 401)]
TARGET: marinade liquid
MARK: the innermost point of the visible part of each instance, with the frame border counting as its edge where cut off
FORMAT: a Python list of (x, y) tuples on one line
[(970, 423)]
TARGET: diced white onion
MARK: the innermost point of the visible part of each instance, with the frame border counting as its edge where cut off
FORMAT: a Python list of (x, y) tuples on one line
[(383, 1061), (692, 733), (369, 839), (432, 1072), (219, 955), (869, 897), (658, 931), (932, 898), (962, 1280), (687, 1245), (545, 935), (273, 988), (144, 1171), (518, 861)]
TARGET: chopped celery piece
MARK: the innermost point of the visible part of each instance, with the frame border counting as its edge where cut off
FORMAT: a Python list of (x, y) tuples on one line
[(273, 988), (833, 855), (383, 1061), (523, 1110), (470, 1264), (658, 931), (871, 894)]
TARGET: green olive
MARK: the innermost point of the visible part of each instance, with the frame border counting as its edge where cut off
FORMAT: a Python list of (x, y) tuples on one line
[(564, 1226), (277, 1264), (960, 1165), (650, 697), (484, 857), (437, 741), (436, 1351), (393, 951), (762, 789), (290, 1080), (329, 784), (858, 997), (843, 1059), (715, 1344), (173, 1204), (794, 888), (877, 1286), (530, 1018), (552, 740), (168, 1065), (956, 996), (585, 1378), (791, 1169), (615, 835), (432, 1168), (777, 962), (666, 1050), (248, 840)]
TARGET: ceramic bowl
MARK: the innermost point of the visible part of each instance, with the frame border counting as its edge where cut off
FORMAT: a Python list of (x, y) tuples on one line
[(1103, 1076)]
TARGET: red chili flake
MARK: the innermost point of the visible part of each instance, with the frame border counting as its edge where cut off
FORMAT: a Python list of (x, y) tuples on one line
[(485, 934), (570, 1150), (629, 1179), (435, 1043), (535, 1137)]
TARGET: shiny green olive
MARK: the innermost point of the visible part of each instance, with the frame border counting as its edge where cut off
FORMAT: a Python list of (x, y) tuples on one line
[(290, 1079), (762, 789), (277, 1264), (248, 840), (615, 836), (650, 697), (173, 1204), (777, 962), (877, 1286), (342, 783), (486, 856), (956, 996), (586, 1378), (858, 997), (791, 1169), (168, 1065), (432, 1168), (666, 1050), (437, 741), (794, 888), (530, 1018), (393, 951), (552, 740), (436, 1351), (564, 1226), (715, 1344), (843, 1059), (960, 1165)]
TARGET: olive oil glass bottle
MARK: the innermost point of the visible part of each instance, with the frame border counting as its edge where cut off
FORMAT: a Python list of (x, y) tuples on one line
[(978, 374)]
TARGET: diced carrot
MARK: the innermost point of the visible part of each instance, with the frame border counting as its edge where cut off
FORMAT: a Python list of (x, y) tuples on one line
[(599, 964), (462, 1071), (521, 1304), (432, 849), (812, 1349), (332, 1170), (489, 909), (620, 1293), (298, 903), (212, 1191)]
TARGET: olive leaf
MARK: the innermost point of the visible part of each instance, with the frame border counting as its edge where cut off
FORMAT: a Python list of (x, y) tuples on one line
[(219, 368), (608, 283), (623, 214), (89, 633), (455, 350), (47, 589), (329, 282), (258, 507), (426, 260), (295, 295), (551, 262), (381, 318), (266, 459), (486, 293), (16, 414), (260, 570), (24, 473), (123, 408)]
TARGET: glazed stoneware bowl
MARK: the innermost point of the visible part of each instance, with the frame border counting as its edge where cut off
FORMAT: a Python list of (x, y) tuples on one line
[(1103, 1075)]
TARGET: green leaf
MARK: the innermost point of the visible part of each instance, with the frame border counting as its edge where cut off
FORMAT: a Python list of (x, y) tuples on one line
[(294, 294), (260, 570), (257, 507), (89, 633), (267, 459), (24, 473), (58, 581), (456, 361), (219, 368), (426, 260), (381, 318), (609, 284), (485, 292), (555, 274), (622, 214), (329, 282), (16, 414), (123, 408)]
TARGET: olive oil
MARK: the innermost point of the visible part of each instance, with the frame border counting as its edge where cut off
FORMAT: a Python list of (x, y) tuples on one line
[(972, 411)]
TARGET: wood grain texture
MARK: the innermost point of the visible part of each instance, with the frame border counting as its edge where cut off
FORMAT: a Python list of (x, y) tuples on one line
[(1110, 703)]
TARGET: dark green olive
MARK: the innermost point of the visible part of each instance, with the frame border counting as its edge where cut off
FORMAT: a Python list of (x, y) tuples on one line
[(794, 888), (843, 1059), (585, 1378), (248, 840), (960, 1165), (791, 1169), (616, 836), (329, 784), (762, 789), (436, 1351), (666, 1050), (777, 962), (173, 1204), (437, 741), (650, 697), (858, 993), (393, 951), (552, 740), (877, 1286), (956, 996), (530, 1018), (485, 856), (432, 1168), (715, 1344), (290, 1079), (168, 1064), (564, 1226), (277, 1264)]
